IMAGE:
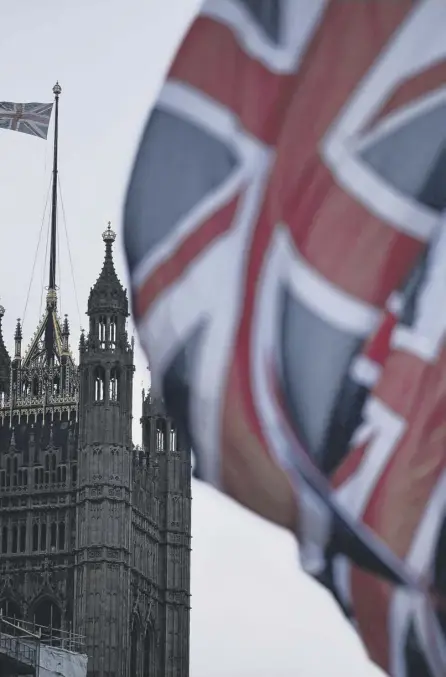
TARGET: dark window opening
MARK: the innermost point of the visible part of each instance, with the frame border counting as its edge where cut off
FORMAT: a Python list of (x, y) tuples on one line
[(14, 539), (61, 535), (53, 538), (22, 537), (43, 536), (35, 537), (5, 540)]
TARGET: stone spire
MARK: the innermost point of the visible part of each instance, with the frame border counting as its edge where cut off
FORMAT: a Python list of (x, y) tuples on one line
[(108, 294)]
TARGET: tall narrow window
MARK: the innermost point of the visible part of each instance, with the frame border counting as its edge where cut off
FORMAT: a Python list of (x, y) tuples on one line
[(99, 384), (102, 331), (5, 540), (8, 472), (173, 439), (43, 536), (53, 538), (15, 471), (113, 324), (15, 538), (22, 537), (53, 468), (35, 386), (114, 384), (61, 535), (160, 437), (35, 537)]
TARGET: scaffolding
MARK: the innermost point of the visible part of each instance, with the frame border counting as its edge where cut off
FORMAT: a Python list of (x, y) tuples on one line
[(40, 651)]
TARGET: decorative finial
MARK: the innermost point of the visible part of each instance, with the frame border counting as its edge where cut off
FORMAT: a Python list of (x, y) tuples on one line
[(2, 311), (66, 326), (109, 235), (18, 331), (57, 89)]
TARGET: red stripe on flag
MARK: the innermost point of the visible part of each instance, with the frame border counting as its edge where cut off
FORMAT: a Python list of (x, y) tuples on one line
[(342, 50), (347, 244), (185, 255), (414, 88), (212, 61), (401, 494), (378, 347)]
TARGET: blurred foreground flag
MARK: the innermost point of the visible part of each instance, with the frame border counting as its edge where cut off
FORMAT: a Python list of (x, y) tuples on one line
[(286, 236), (30, 118)]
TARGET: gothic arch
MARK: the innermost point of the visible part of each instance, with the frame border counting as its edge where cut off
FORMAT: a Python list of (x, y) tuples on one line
[(46, 613), (99, 384), (135, 641), (149, 650)]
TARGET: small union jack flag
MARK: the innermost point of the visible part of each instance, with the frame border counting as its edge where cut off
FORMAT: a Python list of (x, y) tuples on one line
[(29, 118), (286, 236)]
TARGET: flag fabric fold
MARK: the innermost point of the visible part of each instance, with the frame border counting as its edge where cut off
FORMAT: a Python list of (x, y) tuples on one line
[(285, 229), (29, 118)]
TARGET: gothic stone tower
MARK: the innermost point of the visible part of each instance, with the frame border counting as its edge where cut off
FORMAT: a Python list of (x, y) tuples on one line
[(103, 536), (94, 533)]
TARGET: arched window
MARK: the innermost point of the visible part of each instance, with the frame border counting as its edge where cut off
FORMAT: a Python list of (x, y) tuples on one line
[(5, 540), (48, 618), (53, 536), (64, 474), (99, 384), (35, 537), (25, 477), (102, 331), (173, 439), (113, 325), (22, 537), (15, 538), (134, 646), (160, 434), (43, 536), (59, 475), (113, 390), (61, 536)]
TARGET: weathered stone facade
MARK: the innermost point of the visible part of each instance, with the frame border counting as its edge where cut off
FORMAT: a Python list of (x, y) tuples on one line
[(94, 533)]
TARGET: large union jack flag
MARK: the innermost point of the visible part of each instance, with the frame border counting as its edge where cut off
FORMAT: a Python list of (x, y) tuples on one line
[(30, 118), (285, 231)]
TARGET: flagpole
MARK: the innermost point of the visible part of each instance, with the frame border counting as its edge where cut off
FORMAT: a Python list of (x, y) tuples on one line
[(51, 297), (53, 247)]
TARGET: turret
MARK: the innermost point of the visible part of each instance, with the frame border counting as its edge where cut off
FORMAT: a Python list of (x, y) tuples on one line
[(105, 470), (106, 358)]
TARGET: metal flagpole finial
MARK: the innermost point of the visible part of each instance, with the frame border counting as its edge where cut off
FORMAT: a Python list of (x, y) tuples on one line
[(57, 89)]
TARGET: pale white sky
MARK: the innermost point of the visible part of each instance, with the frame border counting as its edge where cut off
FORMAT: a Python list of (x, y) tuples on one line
[(254, 613)]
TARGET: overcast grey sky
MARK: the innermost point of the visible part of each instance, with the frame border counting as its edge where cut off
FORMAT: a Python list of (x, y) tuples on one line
[(254, 614)]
